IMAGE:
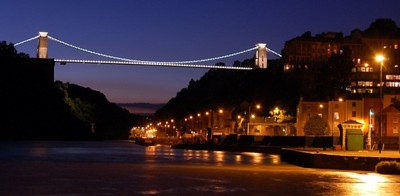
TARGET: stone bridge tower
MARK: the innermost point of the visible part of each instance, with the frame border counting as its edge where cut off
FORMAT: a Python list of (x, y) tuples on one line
[(42, 46), (261, 56)]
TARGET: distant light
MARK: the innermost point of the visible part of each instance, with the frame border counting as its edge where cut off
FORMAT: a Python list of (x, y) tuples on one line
[(379, 58), (261, 45), (43, 34)]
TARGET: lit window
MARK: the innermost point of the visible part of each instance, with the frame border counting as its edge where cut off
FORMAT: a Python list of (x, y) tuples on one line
[(365, 83), (336, 115), (392, 77), (393, 84), (320, 115)]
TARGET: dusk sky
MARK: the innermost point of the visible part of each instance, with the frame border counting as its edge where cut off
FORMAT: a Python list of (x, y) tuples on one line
[(172, 30)]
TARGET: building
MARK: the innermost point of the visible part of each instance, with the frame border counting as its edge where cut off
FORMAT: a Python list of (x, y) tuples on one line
[(366, 111), (366, 77), (302, 52), (313, 52)]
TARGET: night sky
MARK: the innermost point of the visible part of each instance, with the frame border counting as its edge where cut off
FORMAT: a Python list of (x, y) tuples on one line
[(172, 30)]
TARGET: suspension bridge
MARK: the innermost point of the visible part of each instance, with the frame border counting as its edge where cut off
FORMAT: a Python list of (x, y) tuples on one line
[(42, 52)]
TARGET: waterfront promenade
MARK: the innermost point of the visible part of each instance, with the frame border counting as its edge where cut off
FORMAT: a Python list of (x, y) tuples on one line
[(312, 157), (335, 159), (361, 153)]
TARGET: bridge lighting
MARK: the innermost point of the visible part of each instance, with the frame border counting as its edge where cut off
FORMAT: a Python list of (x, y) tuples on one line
[(43, 34), (146, 63), (126, 61)]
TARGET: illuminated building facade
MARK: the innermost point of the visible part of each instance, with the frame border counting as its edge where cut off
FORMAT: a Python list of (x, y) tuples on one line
[(306, 52), (365, 111)]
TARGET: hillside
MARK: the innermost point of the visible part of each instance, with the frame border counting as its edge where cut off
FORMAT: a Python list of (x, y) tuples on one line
[(33, 106), (232, 88)]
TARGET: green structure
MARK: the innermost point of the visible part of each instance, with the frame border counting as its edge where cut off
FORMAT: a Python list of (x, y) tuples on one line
[(353, 138)]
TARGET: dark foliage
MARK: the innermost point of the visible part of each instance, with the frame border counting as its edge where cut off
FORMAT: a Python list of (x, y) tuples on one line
[(231, 88), (8, 51), (92, 108), (382, 27), (34, 107)]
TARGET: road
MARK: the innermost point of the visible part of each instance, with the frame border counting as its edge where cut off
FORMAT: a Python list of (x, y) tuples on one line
[(124, 168)]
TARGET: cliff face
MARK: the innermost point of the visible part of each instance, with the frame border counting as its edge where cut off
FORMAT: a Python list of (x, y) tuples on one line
[(34, 107), (104, 119)]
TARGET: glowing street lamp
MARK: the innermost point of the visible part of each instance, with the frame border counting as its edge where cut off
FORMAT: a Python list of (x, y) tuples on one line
[(258, 106), (380, 58)]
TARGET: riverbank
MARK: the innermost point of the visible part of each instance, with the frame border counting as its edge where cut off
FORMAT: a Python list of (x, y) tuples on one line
[(331, 159), (311, 157)]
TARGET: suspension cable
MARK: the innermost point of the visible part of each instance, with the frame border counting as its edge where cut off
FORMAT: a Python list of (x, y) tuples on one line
[(216, 58), (273, 52), (27, 40), (143, 61), (88, 51)]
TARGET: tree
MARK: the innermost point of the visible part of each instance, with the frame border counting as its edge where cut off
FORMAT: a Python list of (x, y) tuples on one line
[(236, 63), (8, 51), (280, 115), (220, 64), (316, 126), (382, 26), (306, 34)]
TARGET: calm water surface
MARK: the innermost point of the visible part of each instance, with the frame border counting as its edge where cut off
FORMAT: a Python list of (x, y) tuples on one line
[(124, 168)]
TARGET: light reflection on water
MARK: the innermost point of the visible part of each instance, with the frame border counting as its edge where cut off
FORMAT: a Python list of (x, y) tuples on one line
[(366, 184), (208, 157), (162, 170)]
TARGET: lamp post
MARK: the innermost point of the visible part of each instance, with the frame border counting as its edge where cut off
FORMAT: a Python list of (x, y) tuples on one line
[(369, 129), (250, 116), (380, 59)]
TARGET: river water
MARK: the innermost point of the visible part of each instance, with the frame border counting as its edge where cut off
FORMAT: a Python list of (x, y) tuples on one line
[(125, 168)]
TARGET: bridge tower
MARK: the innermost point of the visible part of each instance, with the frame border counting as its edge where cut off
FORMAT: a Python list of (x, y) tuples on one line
[(42, 46), (261, 56)]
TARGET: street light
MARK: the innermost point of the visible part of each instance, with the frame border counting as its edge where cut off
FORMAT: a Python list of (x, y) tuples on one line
[(251, 116), (380, 58), (371, 113)]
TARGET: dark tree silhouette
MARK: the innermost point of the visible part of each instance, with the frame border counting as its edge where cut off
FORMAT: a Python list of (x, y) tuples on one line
[(8, 51), (316, 126)]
